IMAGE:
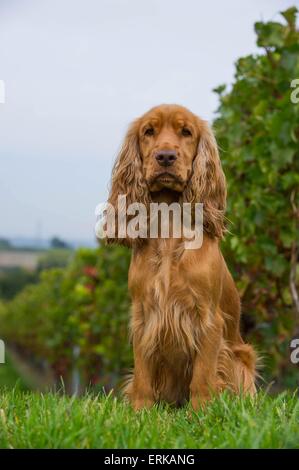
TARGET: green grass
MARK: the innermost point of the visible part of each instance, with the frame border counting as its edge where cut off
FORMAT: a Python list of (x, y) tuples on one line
[(32, 420)]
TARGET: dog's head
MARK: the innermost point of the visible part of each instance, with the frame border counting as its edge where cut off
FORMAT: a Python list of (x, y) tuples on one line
[(168, 139), (169, 150)]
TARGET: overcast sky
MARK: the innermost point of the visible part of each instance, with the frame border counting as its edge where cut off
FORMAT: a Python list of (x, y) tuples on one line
[(76, 72)]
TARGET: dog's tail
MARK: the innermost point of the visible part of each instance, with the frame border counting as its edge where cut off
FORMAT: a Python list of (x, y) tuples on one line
[(237, 368), (245, 367)]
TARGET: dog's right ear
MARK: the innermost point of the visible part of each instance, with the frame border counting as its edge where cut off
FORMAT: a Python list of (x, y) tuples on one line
[(127, 178)]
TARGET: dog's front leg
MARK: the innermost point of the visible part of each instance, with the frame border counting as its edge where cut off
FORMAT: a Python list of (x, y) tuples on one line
[(204, 377), (141, 395)]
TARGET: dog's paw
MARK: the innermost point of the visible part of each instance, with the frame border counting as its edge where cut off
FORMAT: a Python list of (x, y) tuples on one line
[(142, 403), (200, 400)]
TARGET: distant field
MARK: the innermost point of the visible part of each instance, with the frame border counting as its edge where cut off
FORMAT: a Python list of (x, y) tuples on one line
[(24, 259)]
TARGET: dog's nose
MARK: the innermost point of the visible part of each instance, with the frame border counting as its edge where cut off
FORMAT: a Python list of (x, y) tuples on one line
[(166, 157)]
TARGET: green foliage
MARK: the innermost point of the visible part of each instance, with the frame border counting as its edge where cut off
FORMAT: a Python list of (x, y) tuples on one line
[(9, 377), (29, 420), (258, 131), (54, 258), (13, 280), (85, 305)]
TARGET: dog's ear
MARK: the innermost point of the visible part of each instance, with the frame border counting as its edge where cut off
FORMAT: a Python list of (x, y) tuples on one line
[(127, 178), (207, 183)]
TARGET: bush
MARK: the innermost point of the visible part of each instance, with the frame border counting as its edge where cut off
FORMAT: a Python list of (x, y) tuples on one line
[(13, 280), (75, 317), (54, 258), (258, 132)]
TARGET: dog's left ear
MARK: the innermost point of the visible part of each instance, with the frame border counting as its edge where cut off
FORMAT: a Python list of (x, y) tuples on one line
[(207, 183)]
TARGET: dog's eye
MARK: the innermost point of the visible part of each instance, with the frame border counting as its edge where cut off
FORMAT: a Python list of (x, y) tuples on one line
[(149, 131), (186, 132)]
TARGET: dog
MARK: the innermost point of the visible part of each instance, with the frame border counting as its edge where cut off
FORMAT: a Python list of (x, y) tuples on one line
[(185, 320)]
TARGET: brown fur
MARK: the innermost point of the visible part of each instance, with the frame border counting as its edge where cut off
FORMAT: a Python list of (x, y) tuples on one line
[(186, 309)]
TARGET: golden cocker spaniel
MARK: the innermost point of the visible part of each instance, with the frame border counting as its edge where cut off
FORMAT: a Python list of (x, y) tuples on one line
[(185, 321)]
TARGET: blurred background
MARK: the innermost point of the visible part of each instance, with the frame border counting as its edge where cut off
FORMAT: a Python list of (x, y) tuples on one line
[(76, 73)]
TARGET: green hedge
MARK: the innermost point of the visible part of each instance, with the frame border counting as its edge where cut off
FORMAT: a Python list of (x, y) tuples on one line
[(258, 133), (84, 305)]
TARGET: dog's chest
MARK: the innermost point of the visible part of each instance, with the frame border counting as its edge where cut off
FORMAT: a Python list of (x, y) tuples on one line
[(171, 284), (168, 296)]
